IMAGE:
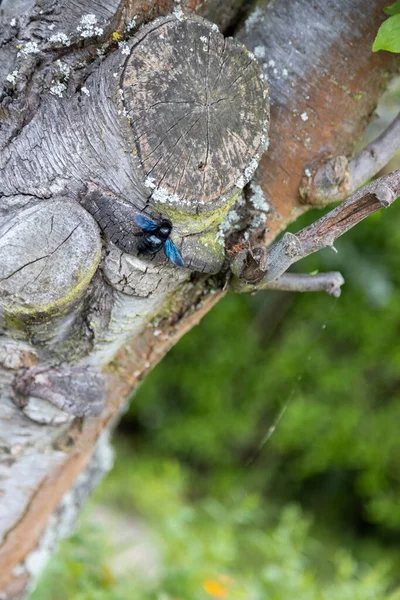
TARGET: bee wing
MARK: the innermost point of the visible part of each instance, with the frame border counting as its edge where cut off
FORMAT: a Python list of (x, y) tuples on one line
[(173, 253), (145, 223)]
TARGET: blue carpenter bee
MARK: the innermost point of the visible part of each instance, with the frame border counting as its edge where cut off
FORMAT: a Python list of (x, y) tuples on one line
[(156, 236)]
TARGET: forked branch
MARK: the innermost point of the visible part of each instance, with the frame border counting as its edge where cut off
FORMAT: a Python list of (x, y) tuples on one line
[(260, 268)]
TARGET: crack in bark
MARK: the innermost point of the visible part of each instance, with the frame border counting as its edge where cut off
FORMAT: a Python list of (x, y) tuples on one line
[(165, 137), (207, 112), (184, 134), (40, 258)]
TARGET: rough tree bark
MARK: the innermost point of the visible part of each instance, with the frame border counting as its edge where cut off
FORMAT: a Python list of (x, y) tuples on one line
[(115, 108)]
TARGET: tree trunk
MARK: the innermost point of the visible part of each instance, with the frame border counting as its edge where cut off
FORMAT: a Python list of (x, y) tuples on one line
[(121, 109)]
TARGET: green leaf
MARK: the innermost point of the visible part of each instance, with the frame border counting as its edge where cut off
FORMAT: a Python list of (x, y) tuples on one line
[(394, 9), (388, 36)]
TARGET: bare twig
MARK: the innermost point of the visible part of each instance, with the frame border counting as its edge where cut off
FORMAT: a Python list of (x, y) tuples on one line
[(297, 282), (321, 234), (375, 156), (337, 177)]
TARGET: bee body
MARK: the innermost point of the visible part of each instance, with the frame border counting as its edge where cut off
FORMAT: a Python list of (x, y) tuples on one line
[(155, 236)]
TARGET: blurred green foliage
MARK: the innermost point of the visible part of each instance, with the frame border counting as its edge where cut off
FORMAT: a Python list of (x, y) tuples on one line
[(211, 549), (337, 363), (313, 513)]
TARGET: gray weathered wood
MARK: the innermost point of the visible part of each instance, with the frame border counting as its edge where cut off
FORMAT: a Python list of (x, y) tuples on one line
[(197, 139), (66, 387), (89, 142), (65, 134), (49, 252)]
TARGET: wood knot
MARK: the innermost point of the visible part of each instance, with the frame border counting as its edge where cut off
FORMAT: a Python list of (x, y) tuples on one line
[(291, 245), (325, 182), (56, 249), (199, 112), (250, 265), (77, 391)]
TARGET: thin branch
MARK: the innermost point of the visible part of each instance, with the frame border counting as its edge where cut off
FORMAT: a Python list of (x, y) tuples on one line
[(323, 233), (297, 282), (337, 177), (375, 156), (258, 264)]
